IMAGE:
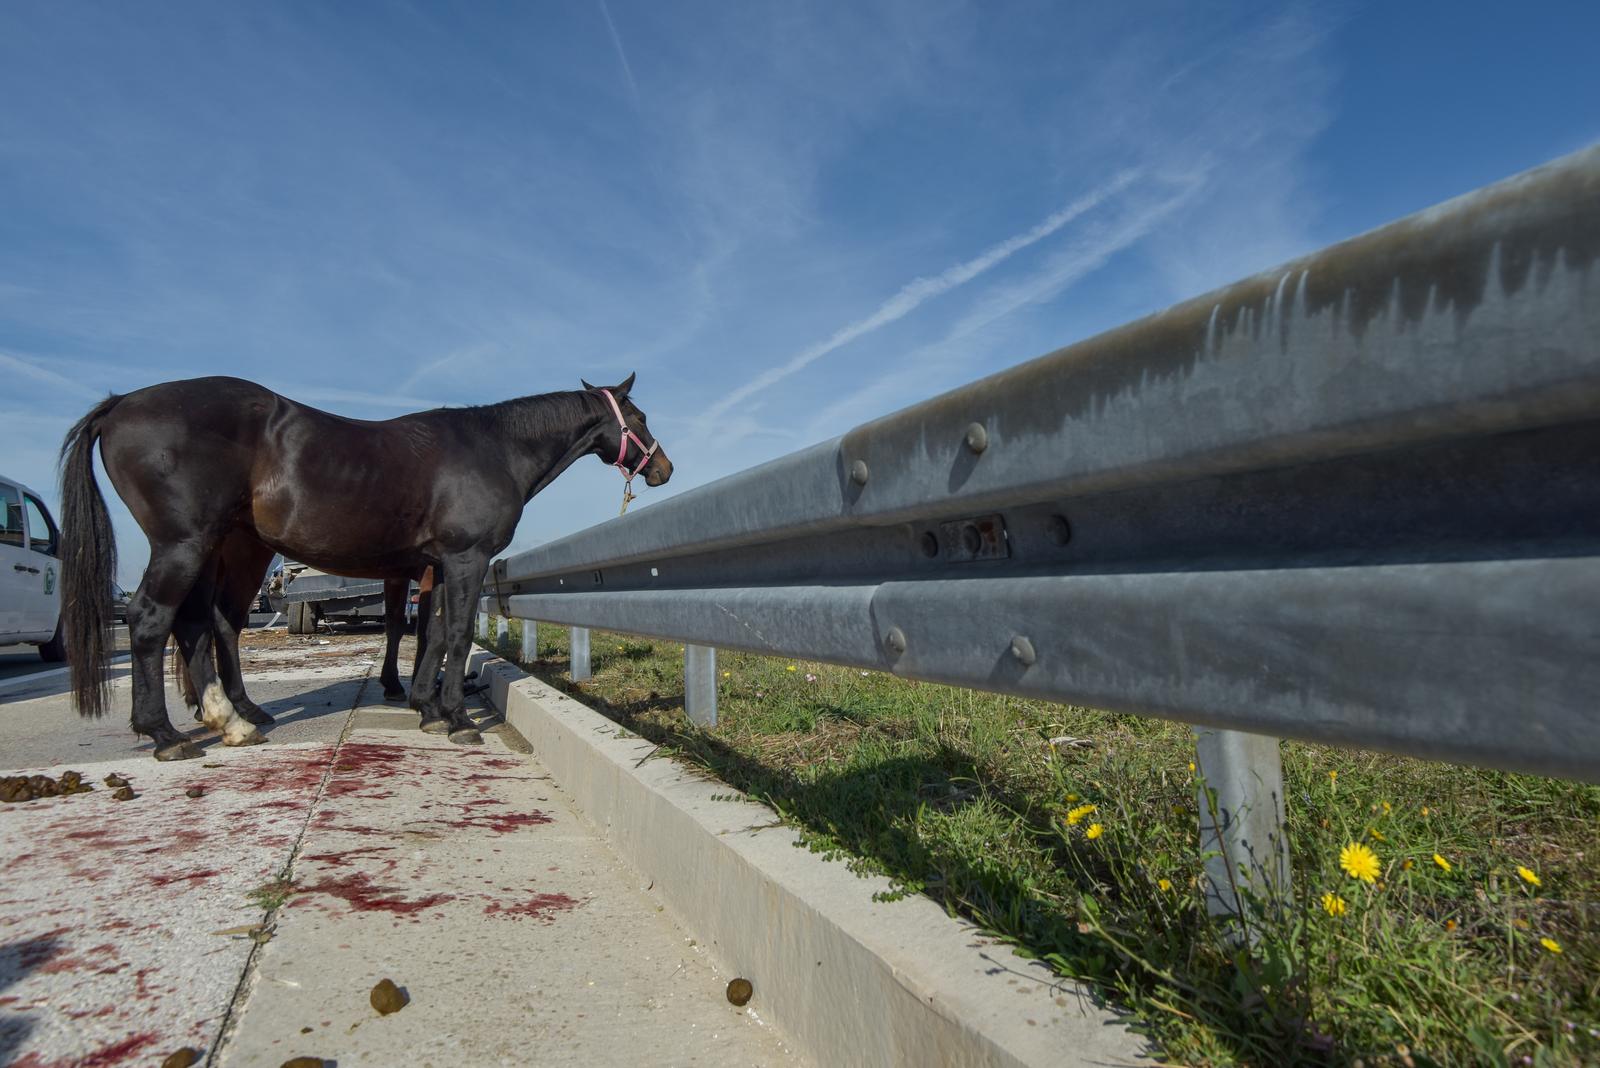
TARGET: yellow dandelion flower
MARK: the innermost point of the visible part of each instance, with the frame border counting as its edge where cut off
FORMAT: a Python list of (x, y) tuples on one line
[(1377, 835), (1333, 776), (1387, 808), (1359, 862), (1551, 944), (1164, 884), (1072, 797), (1443, 863), (793, 668), (1094, 831), (1333, 904), (1424, 810), (1449, 925), (1191, 765), (727, 674), (1528, 876), (1407, 864), (1075, 816)]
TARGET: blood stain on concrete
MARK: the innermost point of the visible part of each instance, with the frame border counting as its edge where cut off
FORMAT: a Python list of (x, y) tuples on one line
[(542, 907), (358, 891), (168, 878), (105, 1057)]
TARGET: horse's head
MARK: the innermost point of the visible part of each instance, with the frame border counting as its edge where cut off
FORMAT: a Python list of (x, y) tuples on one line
[(625, 440)]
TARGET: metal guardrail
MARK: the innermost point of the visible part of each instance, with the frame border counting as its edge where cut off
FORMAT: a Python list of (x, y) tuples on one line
[(1355, 500)]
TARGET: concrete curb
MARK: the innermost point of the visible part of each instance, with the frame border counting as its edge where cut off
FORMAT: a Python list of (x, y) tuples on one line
[(849, 980)]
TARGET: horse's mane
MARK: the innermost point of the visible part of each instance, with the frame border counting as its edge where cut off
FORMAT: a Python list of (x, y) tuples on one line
[(530, 417)]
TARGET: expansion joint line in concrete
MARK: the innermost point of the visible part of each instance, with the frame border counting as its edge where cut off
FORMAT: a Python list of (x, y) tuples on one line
[(286, 878)]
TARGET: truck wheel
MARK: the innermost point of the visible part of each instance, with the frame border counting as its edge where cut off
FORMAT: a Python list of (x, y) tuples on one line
[(301, 621), (54, 650)]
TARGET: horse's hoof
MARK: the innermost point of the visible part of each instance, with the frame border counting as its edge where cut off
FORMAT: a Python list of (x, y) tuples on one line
[(436, 726), (198, 717), (256, 716), (184, 750), (466, 736), (395, 696), (253, 738)]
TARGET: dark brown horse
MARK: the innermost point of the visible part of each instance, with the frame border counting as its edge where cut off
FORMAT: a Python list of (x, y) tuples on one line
[(198, 460)]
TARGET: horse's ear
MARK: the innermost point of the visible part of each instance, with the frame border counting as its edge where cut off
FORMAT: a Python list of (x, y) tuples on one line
[(627, 384), (585, 382)]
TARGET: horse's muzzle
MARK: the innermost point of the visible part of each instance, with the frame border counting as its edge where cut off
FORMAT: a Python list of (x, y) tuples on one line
[(658, 470)]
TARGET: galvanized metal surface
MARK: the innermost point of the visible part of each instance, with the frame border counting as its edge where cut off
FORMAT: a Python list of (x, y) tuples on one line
[(1353, 500), (1242, 836), (700, 684)]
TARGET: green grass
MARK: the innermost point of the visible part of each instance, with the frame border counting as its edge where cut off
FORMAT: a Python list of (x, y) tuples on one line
[(962, 796)]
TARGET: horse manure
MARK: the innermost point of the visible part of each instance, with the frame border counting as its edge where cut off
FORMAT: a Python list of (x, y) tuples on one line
[(305, 1030), (387, 998), (303, 1062), (114, 780), (15, 789), (124, 794), (183, 1058), (195, 791), (43, 786), (739, 991), (69, 781), (211, 765)]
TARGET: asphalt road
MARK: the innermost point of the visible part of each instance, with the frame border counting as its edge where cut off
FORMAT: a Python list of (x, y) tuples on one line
[(18, 660)]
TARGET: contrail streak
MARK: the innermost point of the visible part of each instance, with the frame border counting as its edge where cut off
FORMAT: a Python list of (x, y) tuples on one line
[(914, 294)]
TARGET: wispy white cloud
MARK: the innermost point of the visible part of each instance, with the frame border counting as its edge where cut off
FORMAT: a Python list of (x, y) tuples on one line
[(919, 291), (32, 370)]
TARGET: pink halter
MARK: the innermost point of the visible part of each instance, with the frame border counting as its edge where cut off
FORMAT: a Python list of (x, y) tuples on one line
[(620, 463)]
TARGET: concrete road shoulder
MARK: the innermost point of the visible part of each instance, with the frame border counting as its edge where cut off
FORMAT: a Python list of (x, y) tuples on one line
[(850, 980)]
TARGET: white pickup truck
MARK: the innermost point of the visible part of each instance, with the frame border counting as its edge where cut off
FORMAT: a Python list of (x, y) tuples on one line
[(30, 573)]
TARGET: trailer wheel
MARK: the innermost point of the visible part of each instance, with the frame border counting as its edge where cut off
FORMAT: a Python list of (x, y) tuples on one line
[(301, 619)]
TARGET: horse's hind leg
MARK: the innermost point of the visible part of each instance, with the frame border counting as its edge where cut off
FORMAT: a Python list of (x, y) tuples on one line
[(395, 592), (244, 563), (168, 581), (226, 625), (195, 631)]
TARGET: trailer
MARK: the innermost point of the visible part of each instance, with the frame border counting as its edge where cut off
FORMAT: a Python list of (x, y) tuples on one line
[(308, 597)]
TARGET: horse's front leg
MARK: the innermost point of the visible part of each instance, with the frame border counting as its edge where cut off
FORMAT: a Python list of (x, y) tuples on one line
[(430, 655), (460, 598)]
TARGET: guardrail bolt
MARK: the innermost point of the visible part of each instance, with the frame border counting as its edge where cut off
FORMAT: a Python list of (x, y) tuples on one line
[(895, 640), (977, 437), (1022, 649), (1059, 529), (858, 472)]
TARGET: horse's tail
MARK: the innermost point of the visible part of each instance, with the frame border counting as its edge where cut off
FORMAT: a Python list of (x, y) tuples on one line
[(88, 563)]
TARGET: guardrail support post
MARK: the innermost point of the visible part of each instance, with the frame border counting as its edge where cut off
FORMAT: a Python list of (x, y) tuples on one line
[(502, 632), (530, 640), (483, 624), (580, 669), (700, 684), (1242, 837)]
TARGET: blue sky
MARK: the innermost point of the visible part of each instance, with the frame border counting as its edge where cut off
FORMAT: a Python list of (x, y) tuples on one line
[(787, 218)]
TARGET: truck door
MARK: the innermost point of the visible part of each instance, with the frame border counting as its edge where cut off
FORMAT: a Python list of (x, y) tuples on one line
[(14, 563), (43, 548)]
